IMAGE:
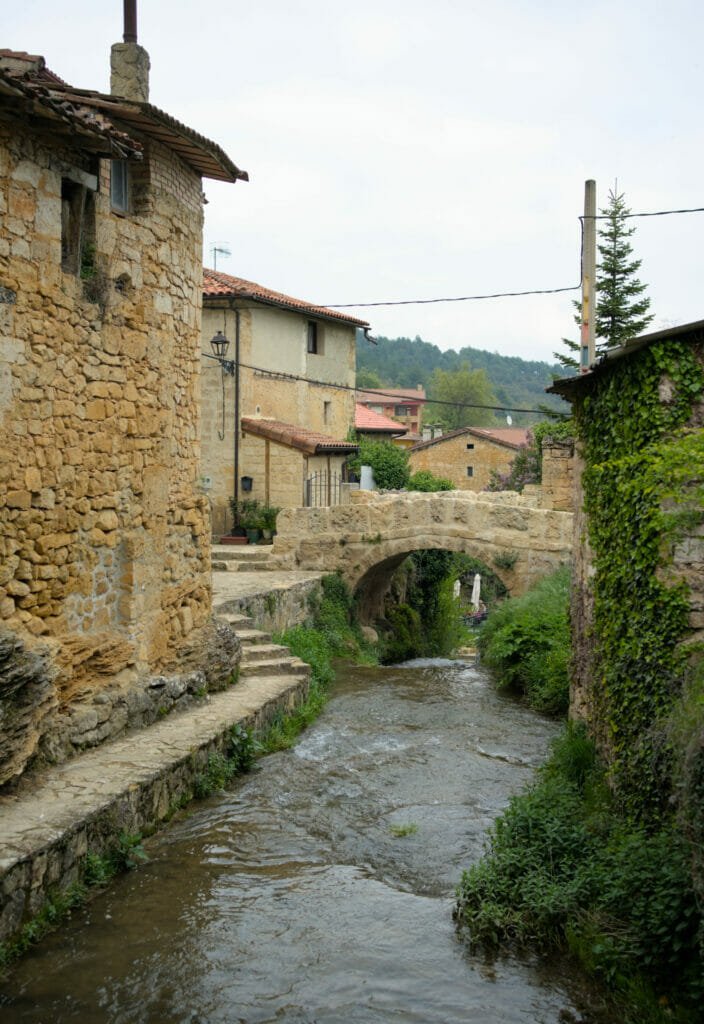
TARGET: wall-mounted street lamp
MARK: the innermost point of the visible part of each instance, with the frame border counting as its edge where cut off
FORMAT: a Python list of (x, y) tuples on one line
[(220, 345)]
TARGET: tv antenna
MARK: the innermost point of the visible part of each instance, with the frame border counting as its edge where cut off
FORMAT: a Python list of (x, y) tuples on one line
[(223, 250)]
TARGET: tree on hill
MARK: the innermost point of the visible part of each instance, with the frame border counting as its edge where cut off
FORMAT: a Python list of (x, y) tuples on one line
[(621, 305), (368, 379), (470, 389)]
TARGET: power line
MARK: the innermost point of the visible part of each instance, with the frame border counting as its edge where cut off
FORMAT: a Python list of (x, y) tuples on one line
[(507, 295), (278, 374)]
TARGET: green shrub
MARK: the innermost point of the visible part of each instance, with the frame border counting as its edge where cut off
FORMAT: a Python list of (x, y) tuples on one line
[(389, 463), (527, 641), (562, 868), (424, 480)]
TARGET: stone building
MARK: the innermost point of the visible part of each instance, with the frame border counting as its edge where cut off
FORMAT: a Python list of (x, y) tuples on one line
[(405, 405), (642, 406), (104, 549), (467, 456), (279, 414)]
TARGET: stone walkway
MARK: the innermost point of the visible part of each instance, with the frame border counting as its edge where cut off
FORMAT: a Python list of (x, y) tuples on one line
[(136, 782)]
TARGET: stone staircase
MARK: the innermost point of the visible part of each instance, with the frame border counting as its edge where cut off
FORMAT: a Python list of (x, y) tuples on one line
[(240, 557), (261, 659)]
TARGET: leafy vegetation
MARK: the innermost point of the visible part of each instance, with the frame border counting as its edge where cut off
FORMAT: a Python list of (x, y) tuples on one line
[(401, 831), (223, 767), (332, 631), (423, 480), (564, 869), (470, 389), (621, 305), (389, 463), (405, 363), (527, 465), (526, 640)]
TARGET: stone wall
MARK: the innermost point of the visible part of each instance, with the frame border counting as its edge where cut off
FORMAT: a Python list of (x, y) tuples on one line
[(558, 478), (453, 457), (367, 539), (105, 534)]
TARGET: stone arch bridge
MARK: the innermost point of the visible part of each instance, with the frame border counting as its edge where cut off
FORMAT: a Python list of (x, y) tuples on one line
[(369, 538)]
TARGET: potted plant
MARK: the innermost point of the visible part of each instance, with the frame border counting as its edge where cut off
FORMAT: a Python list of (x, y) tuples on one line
[(248, 513), (268, 516)]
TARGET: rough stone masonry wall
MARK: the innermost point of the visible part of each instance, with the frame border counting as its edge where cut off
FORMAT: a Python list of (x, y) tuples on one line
[(451, 458), (104, 539)]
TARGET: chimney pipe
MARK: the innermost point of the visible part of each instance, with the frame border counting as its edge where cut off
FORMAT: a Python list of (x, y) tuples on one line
[(130, 21)]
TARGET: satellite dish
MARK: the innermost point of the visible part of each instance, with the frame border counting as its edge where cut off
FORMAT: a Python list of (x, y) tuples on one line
[(508, 419)]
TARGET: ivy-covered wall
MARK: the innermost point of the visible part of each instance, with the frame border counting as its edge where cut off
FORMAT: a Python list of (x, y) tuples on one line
[(638, 584)]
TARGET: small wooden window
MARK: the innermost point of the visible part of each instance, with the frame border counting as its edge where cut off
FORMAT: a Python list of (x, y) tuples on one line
[(312, 337), (470, 471), (470, 447), (327, 412), (119, 186)]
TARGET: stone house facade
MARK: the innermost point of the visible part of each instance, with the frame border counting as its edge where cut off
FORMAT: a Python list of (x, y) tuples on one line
[(104, 547), (467, 456), (293, 369)]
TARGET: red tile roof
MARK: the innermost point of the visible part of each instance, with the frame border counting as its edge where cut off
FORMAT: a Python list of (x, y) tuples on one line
[(27, 84), (217, 284), (508, 437), (366, 395), (309, 441), (373, 422)]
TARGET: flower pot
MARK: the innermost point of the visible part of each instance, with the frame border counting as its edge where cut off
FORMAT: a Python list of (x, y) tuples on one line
[(252, 536), (233, 540)]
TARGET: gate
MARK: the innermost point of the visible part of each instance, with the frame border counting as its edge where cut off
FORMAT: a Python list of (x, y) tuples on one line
[(323, 489)]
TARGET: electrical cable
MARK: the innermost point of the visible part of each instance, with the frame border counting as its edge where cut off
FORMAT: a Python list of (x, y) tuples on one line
[(506, 295)]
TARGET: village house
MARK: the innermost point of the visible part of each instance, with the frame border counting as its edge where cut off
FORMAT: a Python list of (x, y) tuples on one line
[(375, 426), (278, 411), (405, 405), (467, 456), (104, 546)]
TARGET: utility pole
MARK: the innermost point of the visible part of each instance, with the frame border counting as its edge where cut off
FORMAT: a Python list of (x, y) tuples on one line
[(587, 347)]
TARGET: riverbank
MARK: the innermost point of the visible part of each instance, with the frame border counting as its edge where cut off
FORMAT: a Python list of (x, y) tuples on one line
[(91, 805)]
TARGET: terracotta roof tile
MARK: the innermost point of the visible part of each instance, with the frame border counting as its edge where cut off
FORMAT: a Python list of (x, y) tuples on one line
[(366, 419), (25, 77), (217, 284), (310, 441), (365, 395), (508, 437)]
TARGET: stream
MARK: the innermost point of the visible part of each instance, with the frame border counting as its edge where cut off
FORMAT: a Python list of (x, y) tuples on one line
[(295, 896)]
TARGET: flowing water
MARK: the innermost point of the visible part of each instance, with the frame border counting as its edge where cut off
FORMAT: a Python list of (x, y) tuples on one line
[(289, 897)]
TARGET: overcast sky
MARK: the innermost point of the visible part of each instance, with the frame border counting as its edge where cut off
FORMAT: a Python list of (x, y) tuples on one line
[(400, 149)]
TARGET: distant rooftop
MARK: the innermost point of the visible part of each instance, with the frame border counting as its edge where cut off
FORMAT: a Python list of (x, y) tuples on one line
[(509, 437), (366, 395), (373, 422)]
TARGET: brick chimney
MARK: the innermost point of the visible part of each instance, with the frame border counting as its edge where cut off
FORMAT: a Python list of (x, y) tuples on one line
[(129, 62)]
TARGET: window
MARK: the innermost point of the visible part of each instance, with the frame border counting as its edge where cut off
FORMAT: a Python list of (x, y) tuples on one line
[(312, 337), (327, 411), (470, 447), (470, 471), (119, 185), (377, 408), (401, 410), (77, 228)]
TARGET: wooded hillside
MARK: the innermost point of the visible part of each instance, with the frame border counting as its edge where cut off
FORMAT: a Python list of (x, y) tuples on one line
[(406, 363)]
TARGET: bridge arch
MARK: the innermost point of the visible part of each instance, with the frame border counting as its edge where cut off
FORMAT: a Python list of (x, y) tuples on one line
[(370, 537)]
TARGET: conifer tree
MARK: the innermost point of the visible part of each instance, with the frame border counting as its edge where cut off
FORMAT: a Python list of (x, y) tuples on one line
[(621, 306)]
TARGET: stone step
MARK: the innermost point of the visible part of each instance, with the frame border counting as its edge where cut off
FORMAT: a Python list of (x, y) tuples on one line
[(235, 620), (243, 553), (232, 566), (263, 652), (275, 667), (250, 637)]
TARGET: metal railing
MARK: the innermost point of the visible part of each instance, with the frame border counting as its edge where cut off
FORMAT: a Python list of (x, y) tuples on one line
[(323, 489)]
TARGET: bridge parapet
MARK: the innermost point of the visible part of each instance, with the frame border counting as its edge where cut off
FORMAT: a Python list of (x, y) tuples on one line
[(370, 537)]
